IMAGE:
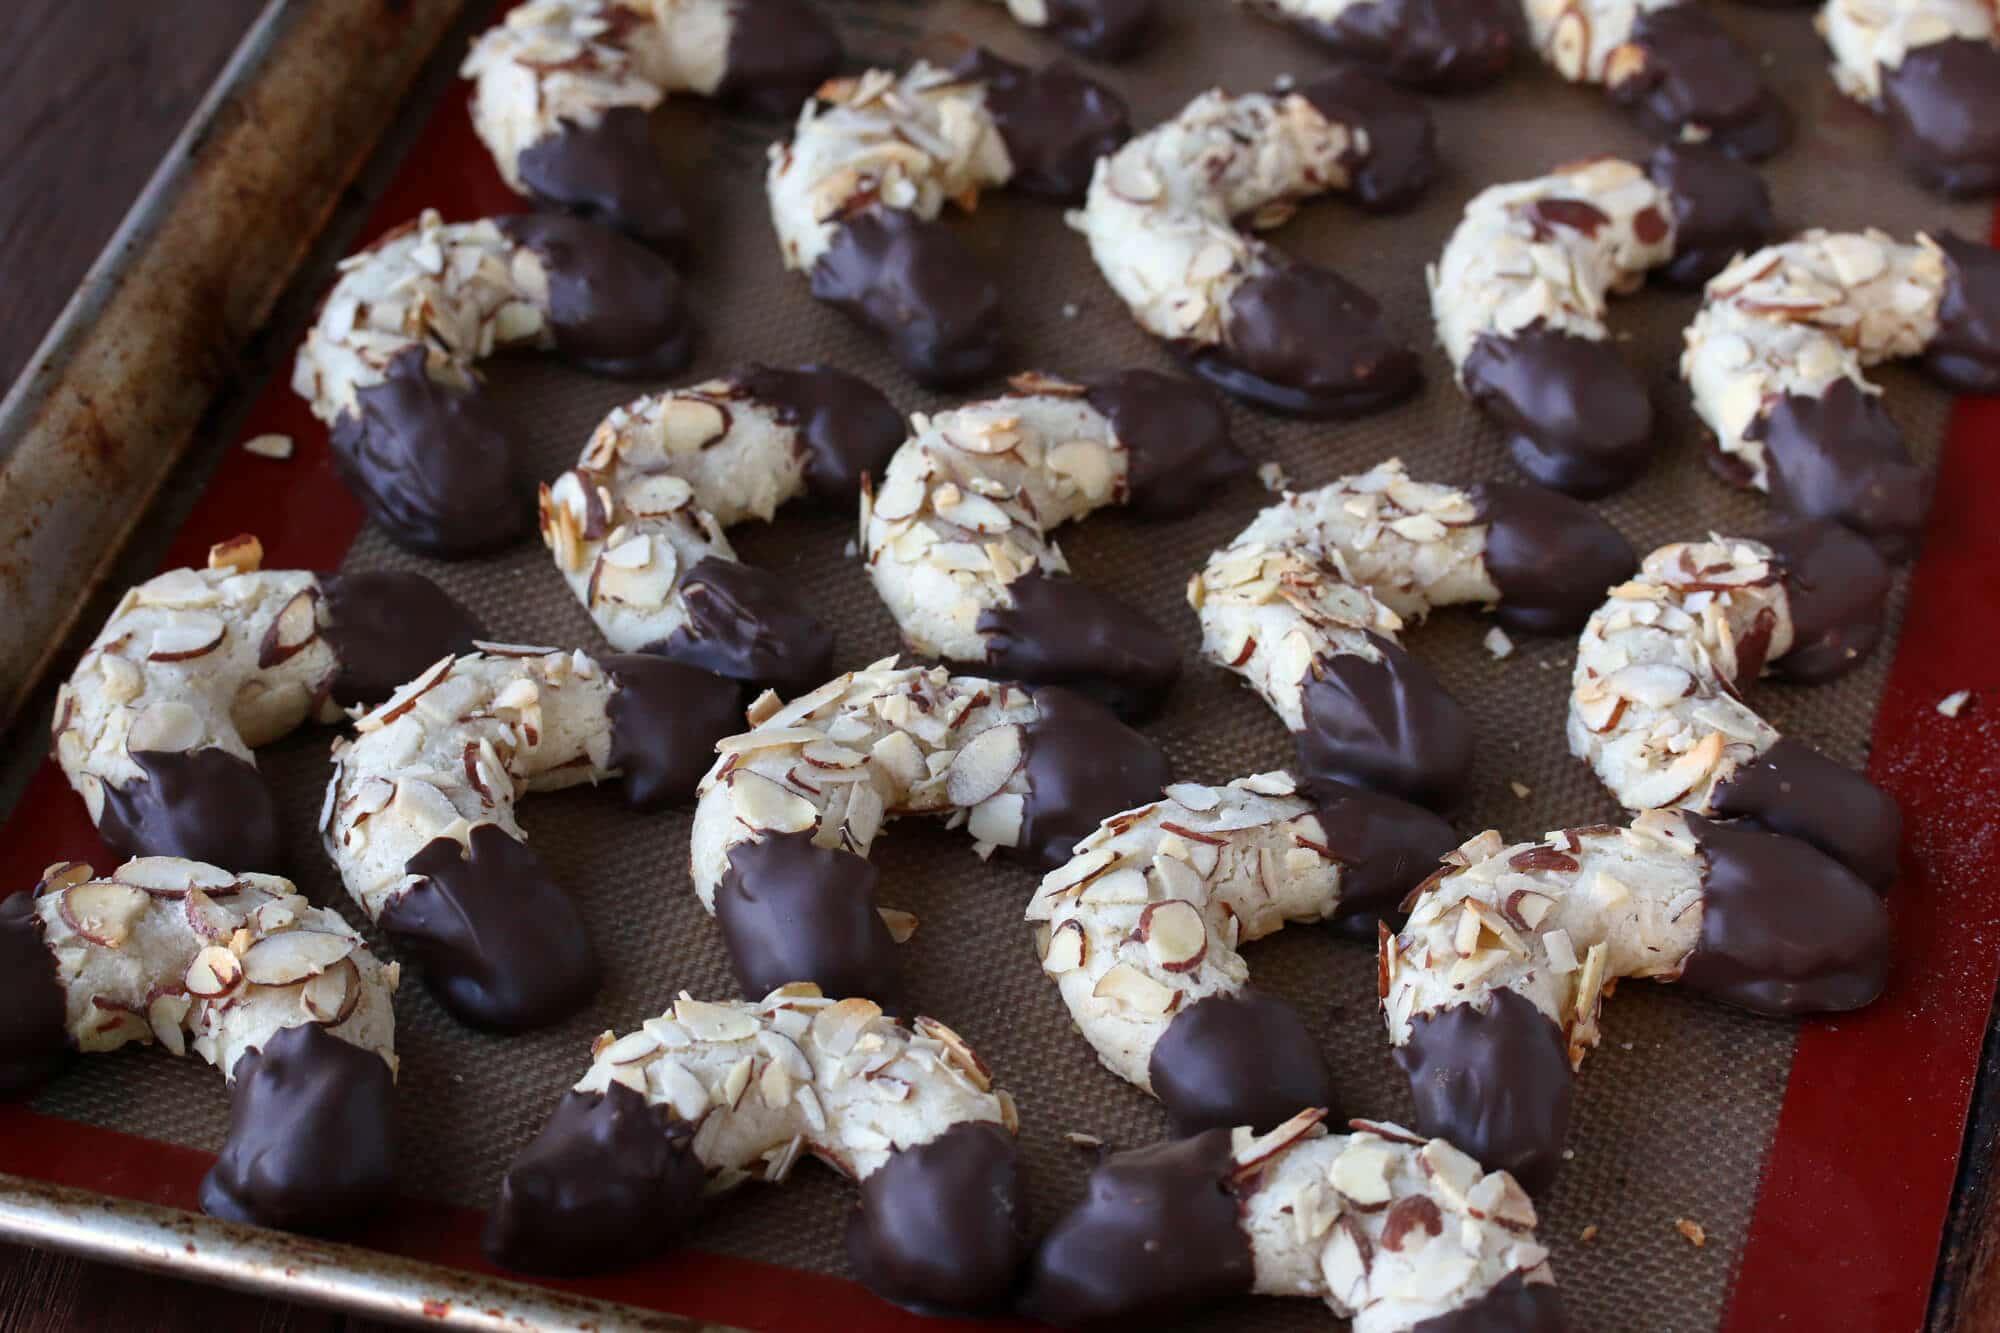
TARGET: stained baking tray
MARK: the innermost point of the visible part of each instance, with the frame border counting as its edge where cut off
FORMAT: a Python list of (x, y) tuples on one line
[(1829, 1169)]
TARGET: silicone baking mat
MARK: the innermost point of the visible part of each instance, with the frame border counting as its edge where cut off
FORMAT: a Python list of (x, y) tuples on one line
[(1851, 1126)]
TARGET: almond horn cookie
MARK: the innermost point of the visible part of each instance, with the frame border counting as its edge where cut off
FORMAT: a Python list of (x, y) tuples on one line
[(790, 811), (856, 193), (198, 667), (1141, 931), (1932, 67), (1776, 354), (1657, 695), (1669, 64), (1395, 1232), (281, 996), (636, 526), (710, 1095), (1519, 296), (1161, 221), (453, 882), (1492, 989), (562, 87), (957, 537), (1307, 603), (388, 364)]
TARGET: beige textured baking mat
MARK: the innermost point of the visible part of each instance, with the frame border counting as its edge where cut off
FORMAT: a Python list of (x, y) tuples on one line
[(1674, 1113)]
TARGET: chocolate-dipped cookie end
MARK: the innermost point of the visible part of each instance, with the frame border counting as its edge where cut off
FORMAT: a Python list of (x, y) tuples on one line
[(942, 1227)]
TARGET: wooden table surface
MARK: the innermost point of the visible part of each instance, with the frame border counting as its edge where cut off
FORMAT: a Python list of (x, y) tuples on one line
[(91, 95)]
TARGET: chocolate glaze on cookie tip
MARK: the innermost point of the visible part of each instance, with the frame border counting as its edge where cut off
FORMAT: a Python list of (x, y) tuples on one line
[(794, 911), (1242, 1059), (385, 627), (1055, 122), (1448, 46), (1964, 353), (1784, 929), (846, 428), (609, 1181), (1793, 789), (1102, 29), (1156, 1233), (1058, 630), (749, 625), (1083, 766), (1495, 1082), (1943, 105), (779, 52), (942, 1226), (1578, 417), (1305, 341), (205, 805), (1178, 448), (1514, 1305), (1385, 847), (912, 281), (609, 174), (1721, 208), (501, 945), (1694, 76), (1840, 456), (312, 1135), (34, 1017), (665, 718), (1552, 557), (1388, 725), (615, 307)]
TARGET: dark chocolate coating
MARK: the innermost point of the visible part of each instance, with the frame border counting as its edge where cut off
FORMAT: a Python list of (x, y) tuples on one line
[(610, 175), (434, 466), (1784, 928), (1156, 1234), (942, 1227), (1695, 74), (913, 282), (791, 911), (1401, 161), (750, 625), (1577, 417), (1063, 631), (1943, 105), (614, 306), (847, 429), (1722, 209), (1512, 1306), (1837, 586), (665, 720), (1301, 339), (1084, 766), (779, 52), (1054, 121), (1243, 1059), (501, 946), (609, 1181), (206, 805), (1178, 448), (1964, 353), (386, 627), (1308, 342), (1793, 789), (34, 1017), (1840, 456), (1101, 29), (1551, 557), (1446, 46), (312, 1135), (1389, 726), (1385, 848), (1496, 1083)]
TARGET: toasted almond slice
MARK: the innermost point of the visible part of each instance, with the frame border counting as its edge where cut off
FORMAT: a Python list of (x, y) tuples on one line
[(984, 765), (714, 1022), (1174, 935), (767, 807), (187, 635), (169, 727), (104, 911), (166, 1009), (294, 628), (331, 996), (214, 973), (171, 877), (292, 956)]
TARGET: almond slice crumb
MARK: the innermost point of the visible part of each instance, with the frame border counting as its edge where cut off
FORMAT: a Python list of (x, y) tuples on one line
[(1690, 1228), (271, 445), (1954, 703)]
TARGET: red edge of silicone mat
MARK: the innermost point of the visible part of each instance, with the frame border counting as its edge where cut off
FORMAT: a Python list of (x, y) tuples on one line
[(1858, 1181)]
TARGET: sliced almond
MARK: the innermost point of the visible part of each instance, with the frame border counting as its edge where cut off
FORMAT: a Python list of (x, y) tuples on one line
[(1174, 934), (1127, 985), (292, 956), (214, 973), (104, 911), (984, 765), (169, 727), (714, 1022), (241, 554), (331, 996), (1069, 949), (187, 635), (294, 628), (767, 807), (166, 1009), (171, 877)]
